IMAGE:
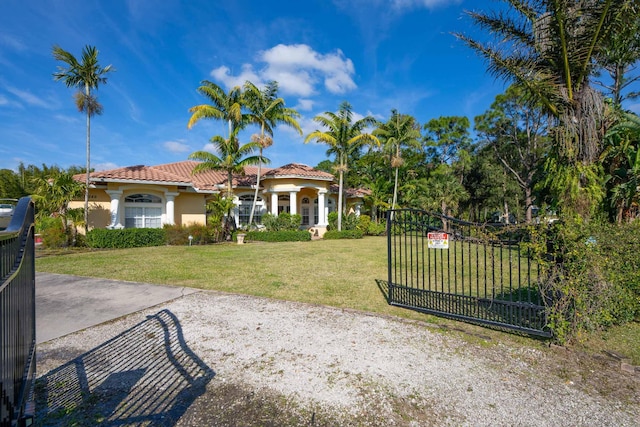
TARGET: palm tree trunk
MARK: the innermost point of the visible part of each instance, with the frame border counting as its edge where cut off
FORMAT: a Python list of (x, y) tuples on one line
[(86, 189), (255, 195), (340, 201)]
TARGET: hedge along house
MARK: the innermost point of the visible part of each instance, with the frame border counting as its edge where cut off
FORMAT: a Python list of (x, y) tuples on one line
[(152, 196)]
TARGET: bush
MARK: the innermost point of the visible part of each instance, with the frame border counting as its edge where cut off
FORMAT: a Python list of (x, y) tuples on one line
[(281, 222), (178, 235), (349, 222), (377, 229), (278, 236), (344, 234), (592, 275), (53, 233), (126, 238)]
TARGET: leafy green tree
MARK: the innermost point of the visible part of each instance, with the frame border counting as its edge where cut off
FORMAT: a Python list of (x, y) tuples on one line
[(10, 185), (620, 53), (343, 135), (232, 158), (86, 75), (442, 191), (52, 197), (225, 106), (550, 47), (398, 132), (622, 162), (446, 137), (516, 130), (266, 110)]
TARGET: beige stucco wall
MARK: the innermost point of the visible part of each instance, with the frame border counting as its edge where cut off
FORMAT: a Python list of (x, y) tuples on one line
[(190, 208)]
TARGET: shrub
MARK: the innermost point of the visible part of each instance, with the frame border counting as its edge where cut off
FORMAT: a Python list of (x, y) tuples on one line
[(344, 234), (126, 238), (283, 221), (592, 275), (279, 236), (349, 222), (53, 234), (377, 229), (178, 235)]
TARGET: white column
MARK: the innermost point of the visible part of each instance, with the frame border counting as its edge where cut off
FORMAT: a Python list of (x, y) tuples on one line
[(322, 213), (115, 208), (170, 207), (293, 198), (274, 203)]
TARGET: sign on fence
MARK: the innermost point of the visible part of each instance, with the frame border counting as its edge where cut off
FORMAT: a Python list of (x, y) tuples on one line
[(438, 240)]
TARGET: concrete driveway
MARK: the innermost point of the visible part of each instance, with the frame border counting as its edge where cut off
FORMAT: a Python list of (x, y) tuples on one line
[(66, 304)]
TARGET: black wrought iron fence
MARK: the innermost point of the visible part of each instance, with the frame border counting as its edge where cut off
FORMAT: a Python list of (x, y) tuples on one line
[(476, 272), (17, 317)]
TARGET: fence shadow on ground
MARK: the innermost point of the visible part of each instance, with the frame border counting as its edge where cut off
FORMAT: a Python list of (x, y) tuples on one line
[(147, 375)]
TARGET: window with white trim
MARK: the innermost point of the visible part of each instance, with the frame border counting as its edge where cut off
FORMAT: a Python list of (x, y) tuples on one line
[(305, 211), (142, 211), (244, 209)]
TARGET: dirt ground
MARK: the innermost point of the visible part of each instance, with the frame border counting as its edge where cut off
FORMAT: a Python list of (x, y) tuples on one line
[(232, 360)]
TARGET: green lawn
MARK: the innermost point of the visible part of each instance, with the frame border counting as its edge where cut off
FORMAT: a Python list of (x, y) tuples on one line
[(339, 273)]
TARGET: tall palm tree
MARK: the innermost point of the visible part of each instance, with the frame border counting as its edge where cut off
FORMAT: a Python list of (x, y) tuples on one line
[(550, 47), (266, 110), (344, 136), (86, 75), (224, 106), (232, 159), (398, 132)]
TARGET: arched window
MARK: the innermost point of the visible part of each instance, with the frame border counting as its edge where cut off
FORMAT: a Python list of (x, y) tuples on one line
[(142, 211), (305, 211), (283, 204)]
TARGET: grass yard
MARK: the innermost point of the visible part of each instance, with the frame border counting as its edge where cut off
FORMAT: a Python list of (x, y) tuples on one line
[(339, 273)]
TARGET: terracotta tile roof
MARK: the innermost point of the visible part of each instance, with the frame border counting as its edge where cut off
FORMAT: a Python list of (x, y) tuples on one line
[(298, 170), (351, 192), (179, 173)]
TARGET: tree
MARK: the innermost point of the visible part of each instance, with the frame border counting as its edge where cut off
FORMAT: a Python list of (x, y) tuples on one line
[(516, 130), (85, 75), (398, 132), (232, 159), (446, 137), (622, 162), (225, 106), (343, 136), (620, 54), (266, 111), (52, 196), (550, 47)]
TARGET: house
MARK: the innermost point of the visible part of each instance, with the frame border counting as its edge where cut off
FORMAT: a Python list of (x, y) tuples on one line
[(152, 196)]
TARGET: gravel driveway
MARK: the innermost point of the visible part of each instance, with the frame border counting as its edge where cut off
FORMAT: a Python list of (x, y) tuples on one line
[(219, 359)]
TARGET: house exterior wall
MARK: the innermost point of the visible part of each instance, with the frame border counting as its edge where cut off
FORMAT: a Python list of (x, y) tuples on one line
[(190, 208)]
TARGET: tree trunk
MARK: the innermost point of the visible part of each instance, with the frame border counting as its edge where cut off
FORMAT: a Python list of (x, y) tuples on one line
[(255, 195), (340, 201), (86, 190)]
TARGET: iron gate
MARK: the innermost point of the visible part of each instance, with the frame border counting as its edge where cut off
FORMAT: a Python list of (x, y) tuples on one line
[(467, 271), (17, 317)]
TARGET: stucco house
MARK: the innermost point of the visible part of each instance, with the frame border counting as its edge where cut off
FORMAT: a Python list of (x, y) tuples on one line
[(151, 196)]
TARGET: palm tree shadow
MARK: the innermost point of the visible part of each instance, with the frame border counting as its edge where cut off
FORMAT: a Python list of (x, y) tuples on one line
[(146, 375)]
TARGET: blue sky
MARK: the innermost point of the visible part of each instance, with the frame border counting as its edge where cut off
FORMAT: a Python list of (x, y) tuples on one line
[(376, 54)]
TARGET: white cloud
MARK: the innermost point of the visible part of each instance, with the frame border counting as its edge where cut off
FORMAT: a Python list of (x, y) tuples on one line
[(27, 97), (104, 166), (304, 105), (223, 74), (303, 67), (298, 69), (428, 4), (176, 147)]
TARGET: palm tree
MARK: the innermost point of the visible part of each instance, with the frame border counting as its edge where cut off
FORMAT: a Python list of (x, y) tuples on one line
[(344, 137), (52, 196), (233, 158), (399, 132), (85, 75), (266, 111), (550, 47), (225, 106)]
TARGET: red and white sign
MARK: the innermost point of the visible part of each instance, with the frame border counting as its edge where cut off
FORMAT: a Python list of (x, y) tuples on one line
[(438, 240)]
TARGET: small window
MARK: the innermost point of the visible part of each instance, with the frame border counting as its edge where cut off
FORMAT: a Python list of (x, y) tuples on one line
[(142, 198), (305, 200)]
